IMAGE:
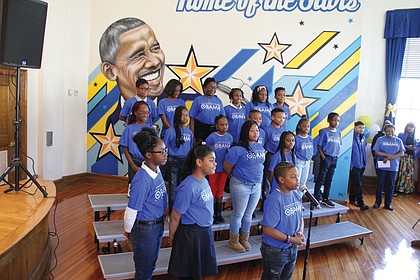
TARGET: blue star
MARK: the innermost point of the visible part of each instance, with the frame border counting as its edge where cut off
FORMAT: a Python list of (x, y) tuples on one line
[(104, 107), (249, 78), (350, 20)]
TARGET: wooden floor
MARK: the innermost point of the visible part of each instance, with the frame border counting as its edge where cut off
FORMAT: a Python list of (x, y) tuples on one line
[(386, 254)]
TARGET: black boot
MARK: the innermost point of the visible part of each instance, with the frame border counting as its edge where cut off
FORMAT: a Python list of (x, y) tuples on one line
[(215, 218)]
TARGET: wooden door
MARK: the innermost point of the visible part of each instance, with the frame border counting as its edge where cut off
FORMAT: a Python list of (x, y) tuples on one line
[(7, 117)]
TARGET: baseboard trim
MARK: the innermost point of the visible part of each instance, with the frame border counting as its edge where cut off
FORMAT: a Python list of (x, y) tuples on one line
[(68, 181)]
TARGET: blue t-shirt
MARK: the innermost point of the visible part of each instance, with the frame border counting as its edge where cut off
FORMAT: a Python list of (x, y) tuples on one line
[(261, 138), (170, 142), (248, 166), (126, 139), (358, 151), (304, 147), (276, 159), (272, 138), (128, 106), (284, 213), (389, 146), (220, 144), (167, 107), (206, 109), (148, 194), (194, 201), (236, 118), (330, 141), (287, 114), (264, 109)]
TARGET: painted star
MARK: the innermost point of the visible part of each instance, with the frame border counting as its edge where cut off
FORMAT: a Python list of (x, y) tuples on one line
[(109, 142), (274, 50), (335, 46), (301, 23), (297, 102), (249, 79), (95, 84), (191, 74), (350, 20)]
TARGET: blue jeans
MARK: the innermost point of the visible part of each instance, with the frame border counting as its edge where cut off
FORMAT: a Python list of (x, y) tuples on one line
[(145, 241), (245, 197), (385, 182), (278, 263), (325, 176), (174, 166)]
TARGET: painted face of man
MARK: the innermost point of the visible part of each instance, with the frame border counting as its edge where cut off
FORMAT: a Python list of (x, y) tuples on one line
[(139, 56)]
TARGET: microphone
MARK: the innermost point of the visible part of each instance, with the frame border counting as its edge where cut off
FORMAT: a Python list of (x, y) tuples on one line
[(311, 198)]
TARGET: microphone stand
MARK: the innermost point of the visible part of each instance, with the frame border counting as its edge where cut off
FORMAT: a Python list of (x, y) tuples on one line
[(308, 240)]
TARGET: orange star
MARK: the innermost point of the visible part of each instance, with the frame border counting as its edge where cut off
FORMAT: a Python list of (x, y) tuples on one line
[(274, 50), (109, 142), (297, 102), (191, 74)]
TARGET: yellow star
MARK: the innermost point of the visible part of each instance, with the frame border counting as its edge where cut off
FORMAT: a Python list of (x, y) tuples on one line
[(191, 74), (109, 142), (297, 102), (274, 50)]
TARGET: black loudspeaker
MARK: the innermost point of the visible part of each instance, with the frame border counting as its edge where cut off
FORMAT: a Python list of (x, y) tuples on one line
[(22, 27)]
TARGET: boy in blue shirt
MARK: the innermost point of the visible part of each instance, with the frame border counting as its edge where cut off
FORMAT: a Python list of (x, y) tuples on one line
[(142, 88), (282, 225), (280, 96), (329, 144), (357, 165), (272, 139)]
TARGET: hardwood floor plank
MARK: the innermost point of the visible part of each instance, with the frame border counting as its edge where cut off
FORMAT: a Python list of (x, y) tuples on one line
[(389, 242)]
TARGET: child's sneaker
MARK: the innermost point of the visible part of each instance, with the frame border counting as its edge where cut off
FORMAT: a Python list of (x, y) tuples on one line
[(328, 203)]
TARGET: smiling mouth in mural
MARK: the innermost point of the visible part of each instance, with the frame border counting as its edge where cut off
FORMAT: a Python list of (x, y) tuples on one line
[(150, 76)]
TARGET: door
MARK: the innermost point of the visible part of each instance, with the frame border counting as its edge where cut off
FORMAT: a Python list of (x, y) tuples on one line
[(7, 117)]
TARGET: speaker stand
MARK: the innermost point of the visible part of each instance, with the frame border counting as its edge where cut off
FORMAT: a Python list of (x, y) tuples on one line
[(16, 162)]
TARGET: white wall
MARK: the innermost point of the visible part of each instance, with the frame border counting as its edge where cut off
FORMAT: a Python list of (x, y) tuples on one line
[(372, 93), (65, 66), (50, 108)]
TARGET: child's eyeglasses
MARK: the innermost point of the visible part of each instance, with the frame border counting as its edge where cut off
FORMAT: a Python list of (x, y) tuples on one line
[(144, 112), (162, 152)]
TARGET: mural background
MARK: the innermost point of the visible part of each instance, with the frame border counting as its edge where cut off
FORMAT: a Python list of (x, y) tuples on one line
[(315, 55)]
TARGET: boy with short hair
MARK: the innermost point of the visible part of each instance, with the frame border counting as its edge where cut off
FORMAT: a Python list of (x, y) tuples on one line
[(357, 165), (280, 96), (142, 88), (272, 138), (282, 225), (329, 144)]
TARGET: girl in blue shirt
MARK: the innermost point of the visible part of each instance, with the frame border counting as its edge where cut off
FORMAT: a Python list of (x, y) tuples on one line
[(329, 144), (245, 162), (304, 149), (190, 232), (220, 141), (235, 113), (179, 140), (285, 152), (388, 150), (137, 120), (144, 215), (167, 106), (282, 225), (204, 109), (357, 165), (260, 102)]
